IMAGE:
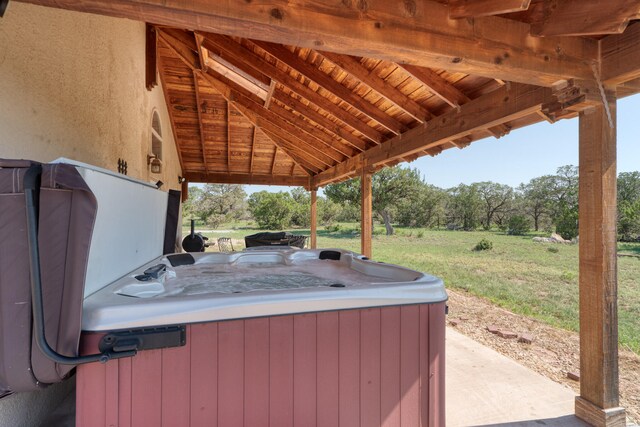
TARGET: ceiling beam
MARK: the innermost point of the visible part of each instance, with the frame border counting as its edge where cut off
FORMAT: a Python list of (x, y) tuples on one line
[(585, 17), (327, 83), (225, 45), (507, 103), (415, 32), (256, 179), (476, 8), (354, 67), (621, 56), (447, 92)]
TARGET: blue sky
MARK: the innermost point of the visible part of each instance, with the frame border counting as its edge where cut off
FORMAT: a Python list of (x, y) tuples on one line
[(523, 154)]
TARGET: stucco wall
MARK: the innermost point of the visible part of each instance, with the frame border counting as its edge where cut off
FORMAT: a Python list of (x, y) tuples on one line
[(72, 85)]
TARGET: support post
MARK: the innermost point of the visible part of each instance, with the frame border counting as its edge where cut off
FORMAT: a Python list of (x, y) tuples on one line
[(314, 218), (599, 399), (365, 218)]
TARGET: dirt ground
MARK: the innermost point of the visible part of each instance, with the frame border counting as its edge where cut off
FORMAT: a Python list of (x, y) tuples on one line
[(552, 353)]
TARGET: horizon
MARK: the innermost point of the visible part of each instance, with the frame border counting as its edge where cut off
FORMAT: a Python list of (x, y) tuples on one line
[(520, 156)]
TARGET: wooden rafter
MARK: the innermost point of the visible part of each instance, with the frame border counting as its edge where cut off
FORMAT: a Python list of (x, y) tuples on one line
[(507, 103), (378, 84), (273, 162), (253, 149), (226, 46), (258, 179), (313, 133), (325, 81), (200, 122), (325, 122), (477, 8), (447, 92), (411, 32), (585, 17), (269, 122), (180, 46)]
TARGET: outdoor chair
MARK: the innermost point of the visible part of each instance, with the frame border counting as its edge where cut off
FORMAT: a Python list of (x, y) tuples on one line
[(225, 244)]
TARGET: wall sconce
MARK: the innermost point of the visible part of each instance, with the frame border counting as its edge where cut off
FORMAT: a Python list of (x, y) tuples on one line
[(181, 179), (155, 163)]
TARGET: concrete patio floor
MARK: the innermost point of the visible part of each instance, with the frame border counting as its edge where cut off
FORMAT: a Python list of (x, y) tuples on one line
[(485, 388)]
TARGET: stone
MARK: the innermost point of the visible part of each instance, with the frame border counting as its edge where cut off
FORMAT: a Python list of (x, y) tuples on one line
[(507, 334), (454, 322), (573, 376), (493, 329), (525, 338), (557, 238)]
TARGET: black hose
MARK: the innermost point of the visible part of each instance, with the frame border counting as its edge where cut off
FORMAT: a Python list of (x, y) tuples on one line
[(31, 185)]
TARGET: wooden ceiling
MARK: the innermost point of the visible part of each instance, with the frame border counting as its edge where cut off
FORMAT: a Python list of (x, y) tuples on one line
[(293, 92)]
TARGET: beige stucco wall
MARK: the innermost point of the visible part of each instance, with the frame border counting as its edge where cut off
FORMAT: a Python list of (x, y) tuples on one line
[(72, 85)]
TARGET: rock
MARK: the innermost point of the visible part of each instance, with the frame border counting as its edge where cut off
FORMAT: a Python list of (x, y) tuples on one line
[(573, 376), (454, 322), (557, 238), (507, 334), (525, 338), (493, 329)]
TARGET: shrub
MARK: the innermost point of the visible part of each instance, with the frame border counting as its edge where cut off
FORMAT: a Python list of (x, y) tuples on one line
[(518, 225), (333, 228), (567, 224), (483, 245)]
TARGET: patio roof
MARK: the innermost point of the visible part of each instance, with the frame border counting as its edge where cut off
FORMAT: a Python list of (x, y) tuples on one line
[(294, 92), (308, 93)]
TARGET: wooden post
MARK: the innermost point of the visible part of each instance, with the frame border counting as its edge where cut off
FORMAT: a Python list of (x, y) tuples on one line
[(598, 401), (365, 218), (314, 218)]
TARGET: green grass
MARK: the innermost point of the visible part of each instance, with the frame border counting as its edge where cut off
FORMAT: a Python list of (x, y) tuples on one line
[(517, 274)]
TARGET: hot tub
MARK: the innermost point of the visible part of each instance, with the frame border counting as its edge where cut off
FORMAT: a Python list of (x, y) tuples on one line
[(272, 337)]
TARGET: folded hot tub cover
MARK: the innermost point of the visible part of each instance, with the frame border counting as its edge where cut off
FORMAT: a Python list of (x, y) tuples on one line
[(67, 211)]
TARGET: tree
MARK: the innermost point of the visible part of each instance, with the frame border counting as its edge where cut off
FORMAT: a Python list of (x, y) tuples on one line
[(389, 187), (537, 197), (301, 215), (629, 205), (191, 207), (221, 203), (272, 210), (564, 201), (463, 207), (423, 207), (495, 198)]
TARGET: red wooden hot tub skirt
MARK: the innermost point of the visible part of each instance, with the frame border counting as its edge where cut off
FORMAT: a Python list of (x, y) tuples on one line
[(365, 367)]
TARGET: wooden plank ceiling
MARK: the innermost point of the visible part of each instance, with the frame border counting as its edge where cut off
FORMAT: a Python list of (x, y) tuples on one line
[(311, 92)]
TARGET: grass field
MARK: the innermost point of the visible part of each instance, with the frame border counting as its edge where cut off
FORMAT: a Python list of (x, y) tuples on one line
[(522, 276)]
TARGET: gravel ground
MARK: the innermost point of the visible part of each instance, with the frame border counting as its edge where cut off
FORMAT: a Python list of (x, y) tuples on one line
[(553, 352)]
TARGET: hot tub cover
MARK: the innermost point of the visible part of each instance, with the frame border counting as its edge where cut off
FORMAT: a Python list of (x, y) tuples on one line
[(67, 210)]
